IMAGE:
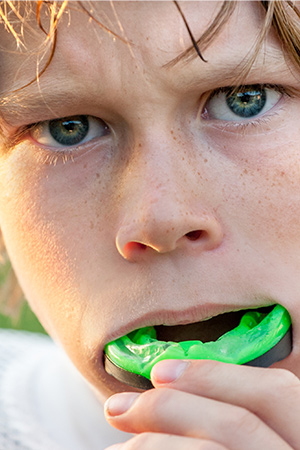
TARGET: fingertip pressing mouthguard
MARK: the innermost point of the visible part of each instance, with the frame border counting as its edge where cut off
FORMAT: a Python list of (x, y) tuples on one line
[(261, 339)]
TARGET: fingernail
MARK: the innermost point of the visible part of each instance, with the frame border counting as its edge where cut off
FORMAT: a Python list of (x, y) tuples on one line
[(120, 403), (169, 370)]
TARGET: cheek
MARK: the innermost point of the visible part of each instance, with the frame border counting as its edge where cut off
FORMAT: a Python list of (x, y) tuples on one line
[(276, 207), (263, 197), (51, 220)]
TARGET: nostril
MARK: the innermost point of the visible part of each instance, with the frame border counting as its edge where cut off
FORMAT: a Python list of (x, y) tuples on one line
[(194, 235), (134, 246)]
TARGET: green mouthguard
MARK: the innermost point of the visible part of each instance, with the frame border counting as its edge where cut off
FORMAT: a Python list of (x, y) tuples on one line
[(256, 334)]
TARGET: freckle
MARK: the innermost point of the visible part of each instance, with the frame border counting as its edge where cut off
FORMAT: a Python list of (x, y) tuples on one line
[(205, 160), (182, 158), (282, 173), (175, 138), (245, 171), (84, 166), (97, 175), (172, 131), (140, 145), (91, 225)]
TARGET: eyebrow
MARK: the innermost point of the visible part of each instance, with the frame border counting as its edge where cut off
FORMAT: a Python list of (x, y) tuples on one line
[(212, 75), (231, 70), (32, 98)]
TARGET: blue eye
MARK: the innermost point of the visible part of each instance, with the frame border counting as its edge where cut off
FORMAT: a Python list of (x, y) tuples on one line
[(247, 103), (68, 131), (240, 104)]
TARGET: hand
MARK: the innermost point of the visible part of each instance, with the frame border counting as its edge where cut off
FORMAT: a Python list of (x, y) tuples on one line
[(211, 405)]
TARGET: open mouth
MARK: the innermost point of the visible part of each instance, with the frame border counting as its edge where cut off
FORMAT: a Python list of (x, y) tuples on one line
[(255, 337)]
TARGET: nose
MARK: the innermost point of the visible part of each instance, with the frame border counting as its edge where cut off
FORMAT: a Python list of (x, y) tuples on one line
[(164, 235), (163, 212)]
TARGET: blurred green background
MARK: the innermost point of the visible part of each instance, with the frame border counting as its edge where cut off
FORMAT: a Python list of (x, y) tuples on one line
[(25, 318), (26, 321)]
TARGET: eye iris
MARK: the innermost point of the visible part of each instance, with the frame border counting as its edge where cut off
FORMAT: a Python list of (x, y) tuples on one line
[(69, 130), (248, 103)]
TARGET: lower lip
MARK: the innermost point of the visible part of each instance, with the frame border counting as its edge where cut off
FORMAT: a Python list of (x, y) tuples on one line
[(263, 343)]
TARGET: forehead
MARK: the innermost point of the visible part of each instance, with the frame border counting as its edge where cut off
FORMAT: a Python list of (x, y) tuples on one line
[(120, 47), (146, 30)]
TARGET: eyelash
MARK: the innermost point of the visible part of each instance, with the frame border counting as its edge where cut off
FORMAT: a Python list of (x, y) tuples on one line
[(47, 157), (242, 127), (255, 122), (66, 155), (277, 87)]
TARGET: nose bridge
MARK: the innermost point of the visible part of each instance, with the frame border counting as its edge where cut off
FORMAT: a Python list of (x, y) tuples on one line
[(156, 187), (162, 203)]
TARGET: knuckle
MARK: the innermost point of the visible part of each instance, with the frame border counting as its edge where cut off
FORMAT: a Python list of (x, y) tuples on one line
[(241, 422), (247, 423), (155, 405), (207, 371), (284, 383), (156, 398), (285, 378)]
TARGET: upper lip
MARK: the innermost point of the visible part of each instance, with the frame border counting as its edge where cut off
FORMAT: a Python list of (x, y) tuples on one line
[(194, 314)]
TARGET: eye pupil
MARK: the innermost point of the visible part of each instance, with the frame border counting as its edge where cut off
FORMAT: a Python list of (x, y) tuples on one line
[(70, 126), (248, 103), (69, 130)]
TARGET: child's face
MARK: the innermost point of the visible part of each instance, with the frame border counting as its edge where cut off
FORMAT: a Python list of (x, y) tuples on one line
[(173, 209)]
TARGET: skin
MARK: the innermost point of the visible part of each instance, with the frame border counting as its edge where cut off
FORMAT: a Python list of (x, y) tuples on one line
[(101, 239)]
